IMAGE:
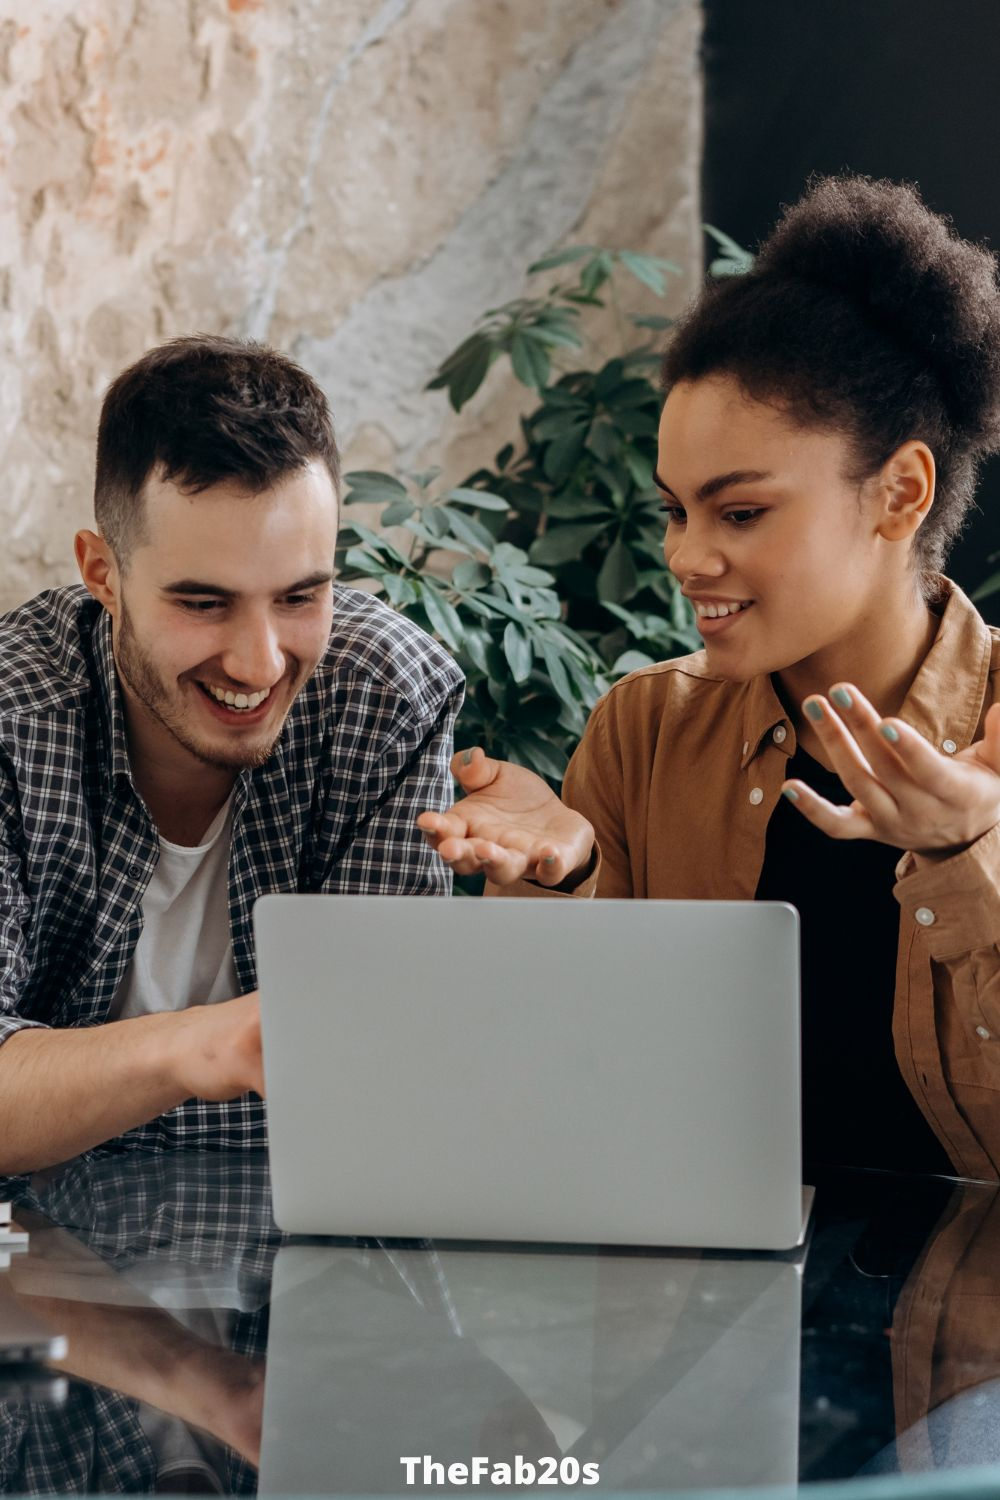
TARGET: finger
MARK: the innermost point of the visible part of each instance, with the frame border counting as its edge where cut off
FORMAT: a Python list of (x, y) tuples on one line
[(443, 825), (473, 769), (852, 822), (847, 757)]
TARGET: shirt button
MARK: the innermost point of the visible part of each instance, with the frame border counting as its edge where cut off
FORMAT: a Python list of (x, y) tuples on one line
[(780, 735), (756, 796), (135, 871), (949, 747), (981, 1031), (924, 916)]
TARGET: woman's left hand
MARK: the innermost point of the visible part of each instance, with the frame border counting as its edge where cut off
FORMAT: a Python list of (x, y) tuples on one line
[(906, 793)]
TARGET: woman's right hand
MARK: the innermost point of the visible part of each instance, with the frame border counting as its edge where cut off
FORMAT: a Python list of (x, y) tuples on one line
[(510, 824)]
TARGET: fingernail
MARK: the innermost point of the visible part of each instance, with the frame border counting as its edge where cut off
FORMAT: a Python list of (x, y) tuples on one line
[(892, 735), (467, 758), (842, 698), (814, 709), (790, 793), (549, 859)]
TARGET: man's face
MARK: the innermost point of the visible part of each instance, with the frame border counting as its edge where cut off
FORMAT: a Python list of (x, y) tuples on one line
[(779, 530), (228, 594)]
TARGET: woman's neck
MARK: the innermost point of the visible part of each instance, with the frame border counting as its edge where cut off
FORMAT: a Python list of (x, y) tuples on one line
[(881, 657)]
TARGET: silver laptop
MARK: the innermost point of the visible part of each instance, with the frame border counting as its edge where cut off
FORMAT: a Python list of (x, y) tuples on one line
[(593, 1072)]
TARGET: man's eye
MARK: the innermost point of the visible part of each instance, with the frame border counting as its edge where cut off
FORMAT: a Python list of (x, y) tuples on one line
[(674, 514), (200, 606), (299, 600)]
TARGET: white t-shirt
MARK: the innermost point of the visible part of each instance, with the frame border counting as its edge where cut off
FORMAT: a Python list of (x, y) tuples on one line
[(185, 953)]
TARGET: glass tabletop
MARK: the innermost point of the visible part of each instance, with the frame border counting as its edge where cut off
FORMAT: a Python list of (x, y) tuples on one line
[(208, 1353)]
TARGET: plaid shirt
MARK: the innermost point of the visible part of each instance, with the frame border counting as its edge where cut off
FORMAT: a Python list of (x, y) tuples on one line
[(364, 749)]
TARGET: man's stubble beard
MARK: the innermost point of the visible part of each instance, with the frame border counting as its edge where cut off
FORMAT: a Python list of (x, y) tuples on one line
[(140, 674)]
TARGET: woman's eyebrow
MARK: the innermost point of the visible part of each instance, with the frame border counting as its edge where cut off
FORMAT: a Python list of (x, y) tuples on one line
[(719, 482)]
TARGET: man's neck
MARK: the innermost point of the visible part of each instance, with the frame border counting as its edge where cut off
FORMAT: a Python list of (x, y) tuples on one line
[(881, 658)]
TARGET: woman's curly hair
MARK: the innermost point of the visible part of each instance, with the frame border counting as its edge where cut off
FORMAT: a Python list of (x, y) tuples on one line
[(865, 312)]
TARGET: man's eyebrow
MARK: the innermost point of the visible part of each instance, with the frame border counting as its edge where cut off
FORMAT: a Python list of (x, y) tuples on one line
[(216, 591), (719, 482)]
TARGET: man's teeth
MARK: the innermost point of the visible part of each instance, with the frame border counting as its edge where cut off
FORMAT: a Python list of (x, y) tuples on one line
[(237, 700), (719, 611)]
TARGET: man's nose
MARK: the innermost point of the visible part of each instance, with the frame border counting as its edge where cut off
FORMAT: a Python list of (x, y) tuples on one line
[(253, 655)]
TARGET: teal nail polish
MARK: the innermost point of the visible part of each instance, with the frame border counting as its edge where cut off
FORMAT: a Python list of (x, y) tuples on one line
[(790, 793), (892, 735), (467, 758), (814, 709), (842, 698), (549, 859)]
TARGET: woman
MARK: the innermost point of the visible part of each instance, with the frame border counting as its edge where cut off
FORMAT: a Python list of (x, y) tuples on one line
[(824, 418)]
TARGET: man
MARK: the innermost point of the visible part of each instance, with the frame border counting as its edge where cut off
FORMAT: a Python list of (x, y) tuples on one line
[(209, 719)]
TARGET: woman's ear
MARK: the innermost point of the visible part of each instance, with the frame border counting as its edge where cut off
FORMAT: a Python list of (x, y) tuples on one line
[(905, 491), (98, 569)]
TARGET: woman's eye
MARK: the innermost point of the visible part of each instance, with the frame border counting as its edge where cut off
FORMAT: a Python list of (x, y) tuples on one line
[(674, 514), (742, 517)]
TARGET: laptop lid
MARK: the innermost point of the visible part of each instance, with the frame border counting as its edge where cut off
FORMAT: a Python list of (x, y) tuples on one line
[(598, 1072)]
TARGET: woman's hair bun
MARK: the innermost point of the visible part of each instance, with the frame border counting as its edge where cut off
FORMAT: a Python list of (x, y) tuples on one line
[(906, 269)]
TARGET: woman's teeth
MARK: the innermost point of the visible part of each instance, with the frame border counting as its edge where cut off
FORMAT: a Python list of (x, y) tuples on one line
[(719, 611), (240, 701)]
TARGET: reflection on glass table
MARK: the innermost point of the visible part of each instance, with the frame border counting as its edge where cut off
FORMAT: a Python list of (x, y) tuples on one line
[(203, 1345)]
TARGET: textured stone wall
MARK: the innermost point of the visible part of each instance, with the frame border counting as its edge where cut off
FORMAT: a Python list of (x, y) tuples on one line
[(350, 180)]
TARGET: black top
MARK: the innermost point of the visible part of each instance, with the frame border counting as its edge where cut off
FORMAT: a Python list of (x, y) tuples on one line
[(856, 1109)]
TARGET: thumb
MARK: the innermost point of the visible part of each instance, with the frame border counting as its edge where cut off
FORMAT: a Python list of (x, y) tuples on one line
[(473, 769)]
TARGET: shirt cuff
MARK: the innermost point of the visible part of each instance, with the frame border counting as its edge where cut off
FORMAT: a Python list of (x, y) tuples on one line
[(955, 900), (586, 890)]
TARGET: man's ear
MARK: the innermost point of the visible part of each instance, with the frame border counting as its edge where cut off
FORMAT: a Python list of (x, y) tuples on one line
[(905, 489), (98, 569)]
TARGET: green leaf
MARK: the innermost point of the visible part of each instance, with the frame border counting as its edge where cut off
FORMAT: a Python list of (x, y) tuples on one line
[(608, 379), (572, 507), (396, 513), (400, 591), (631, 661), (470, 575), (656, 321), (595, 273), (370, 487), (529, 362), (560, 258), (476, 643), (602, 439), (470, 531), (444, 617), (436, 521), (641, 470), (734, 260), (364, 562), (563, 454), (565, 543), (538, 754), (630, 393), (517, 649), (479, 499), (991, 586), (557, 672), (645, 268), (617, 579)]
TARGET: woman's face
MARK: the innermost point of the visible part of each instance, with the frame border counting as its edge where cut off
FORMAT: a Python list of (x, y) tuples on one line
[(762, 521)]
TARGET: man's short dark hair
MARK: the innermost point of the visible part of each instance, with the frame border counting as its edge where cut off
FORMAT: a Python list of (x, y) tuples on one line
[(199, 411)]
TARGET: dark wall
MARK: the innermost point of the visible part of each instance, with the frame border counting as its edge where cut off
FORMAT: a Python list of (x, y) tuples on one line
[(908, 89)]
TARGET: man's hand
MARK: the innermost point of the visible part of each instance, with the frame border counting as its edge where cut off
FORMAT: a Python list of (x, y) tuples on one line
[(906, 792), (509, 824), (215, 1050)]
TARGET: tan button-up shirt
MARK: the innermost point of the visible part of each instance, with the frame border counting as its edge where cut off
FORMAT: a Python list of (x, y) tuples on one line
[(680, 771)]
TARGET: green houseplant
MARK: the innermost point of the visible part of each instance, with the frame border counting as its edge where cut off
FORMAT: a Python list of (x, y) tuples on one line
[(543, 571)]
